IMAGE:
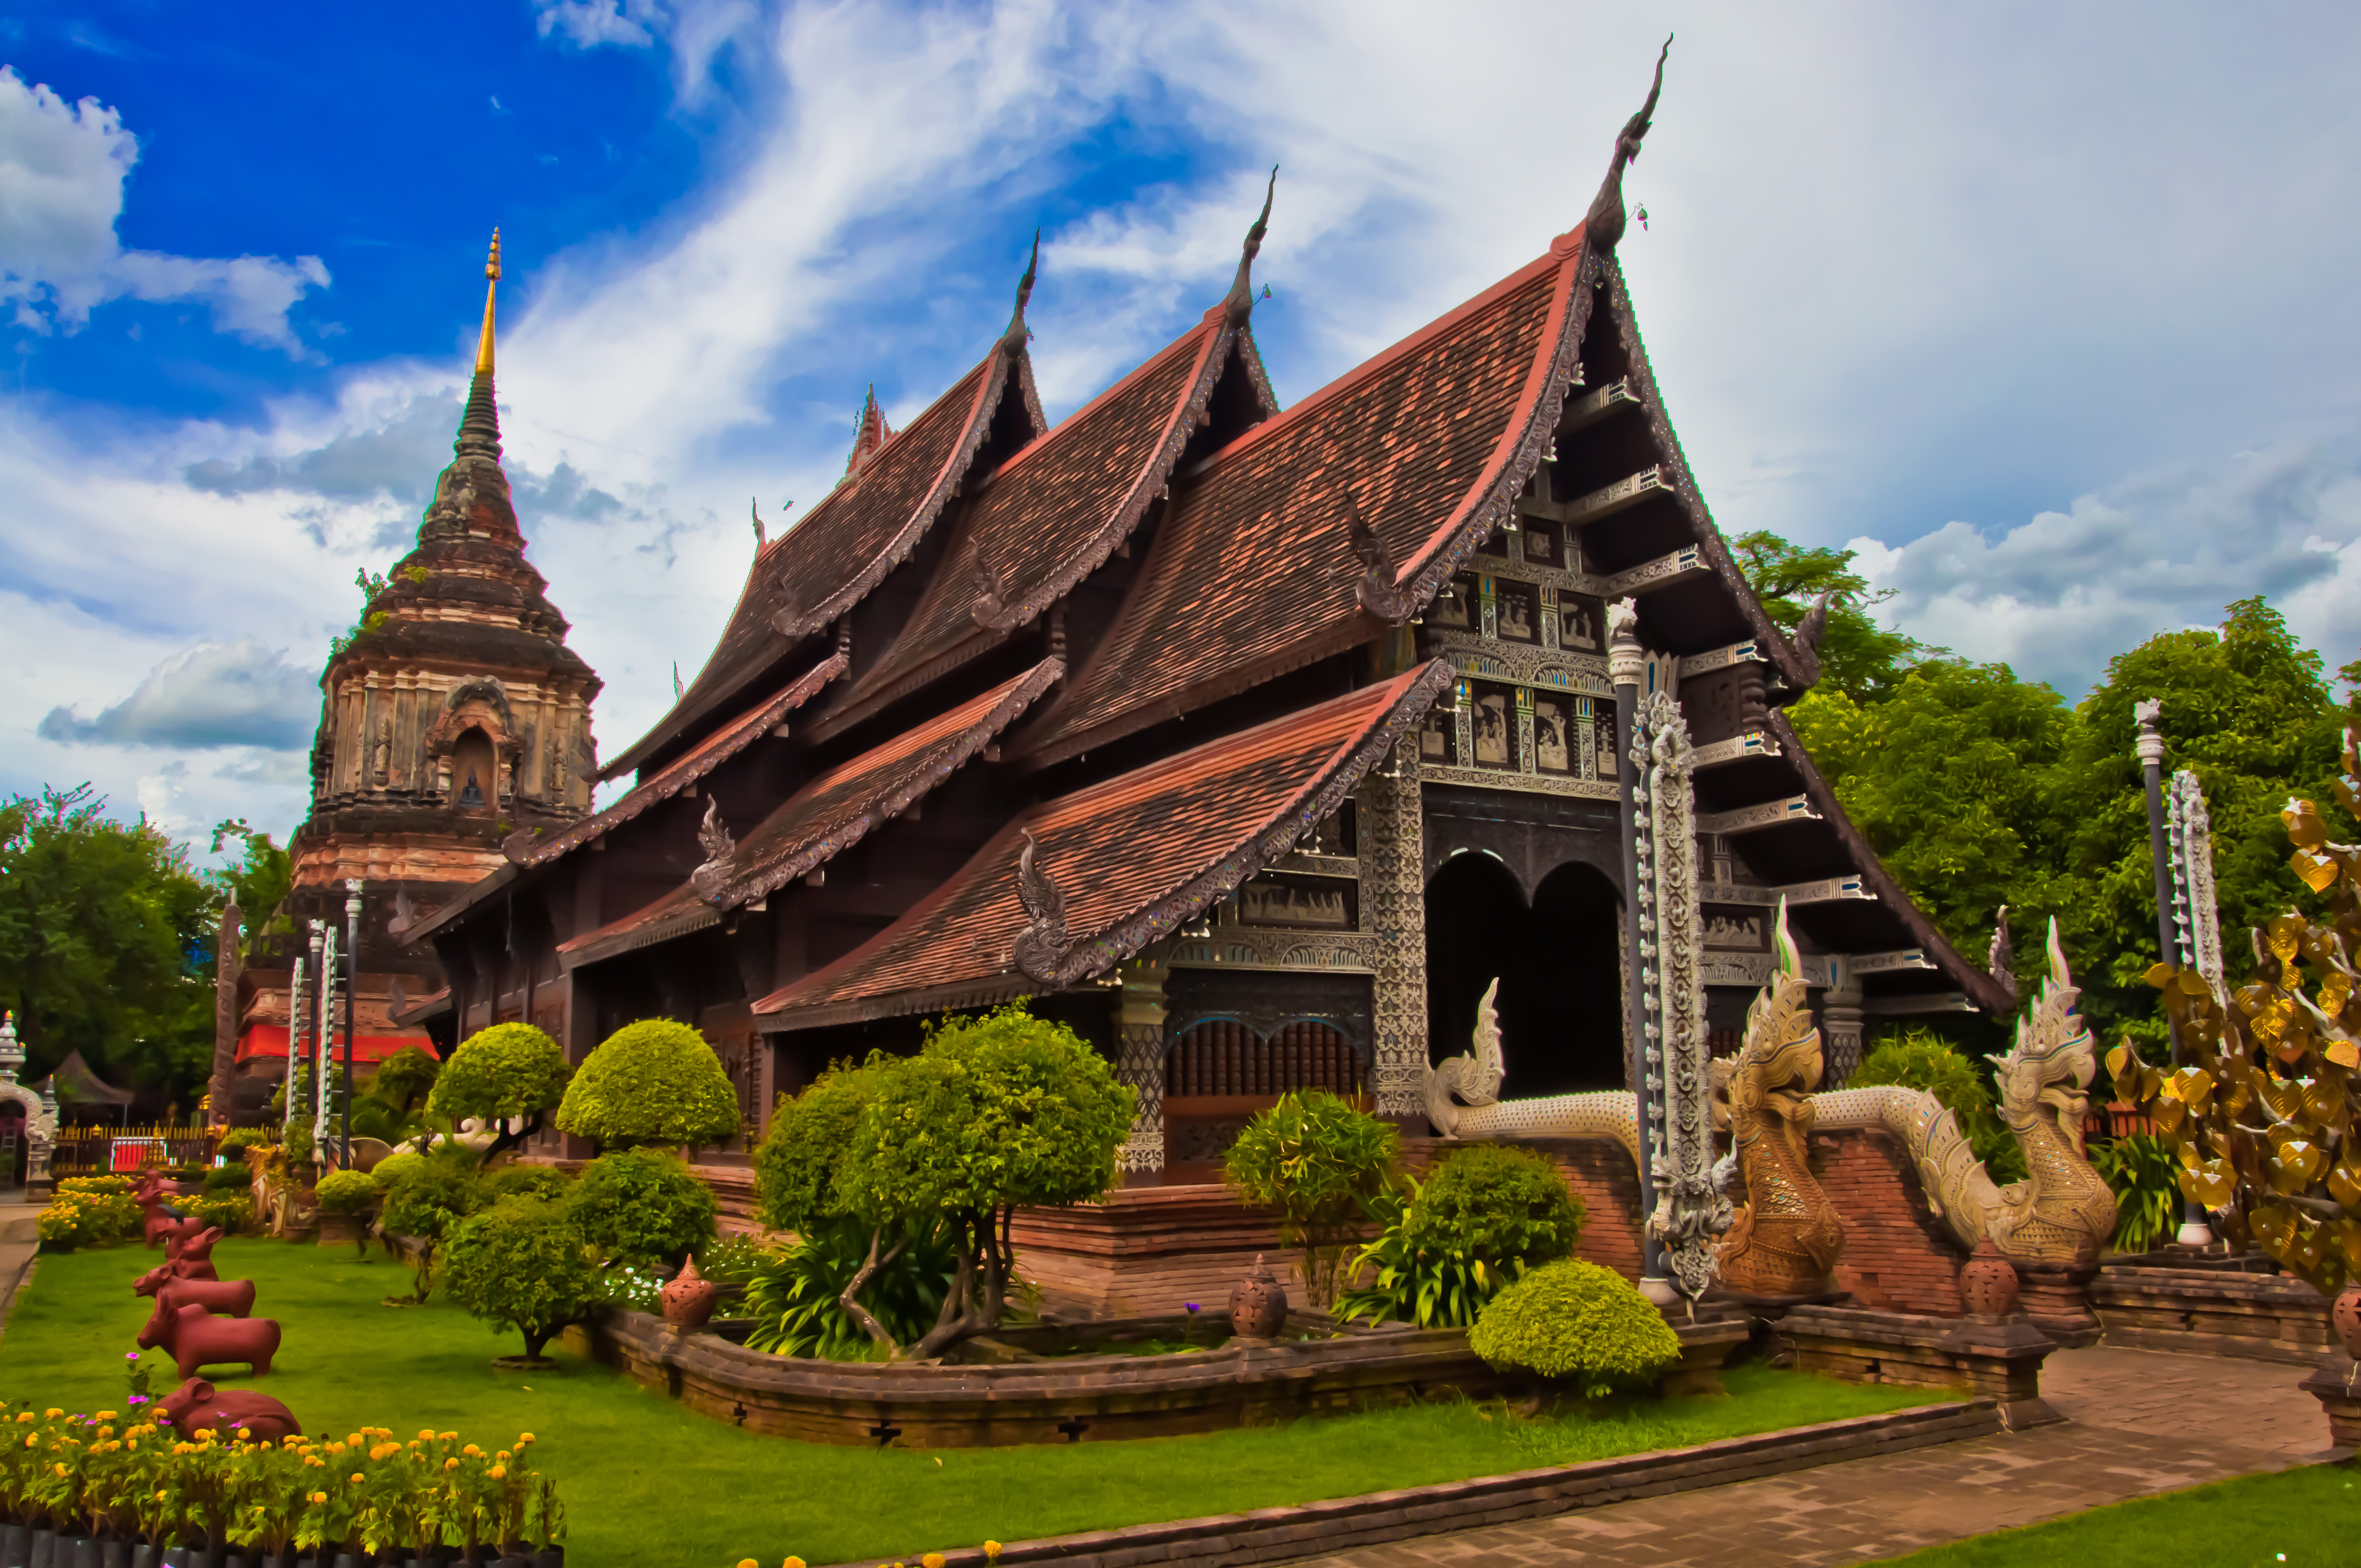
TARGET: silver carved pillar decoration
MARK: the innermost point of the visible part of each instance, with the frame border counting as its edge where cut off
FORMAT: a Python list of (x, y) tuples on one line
[(1691, 1210), (1139, 1033), (1841, 1024), (2148, 714), (1627, 666), (1392, 846), (324, 1058), (299, 1025), (2196, 919)]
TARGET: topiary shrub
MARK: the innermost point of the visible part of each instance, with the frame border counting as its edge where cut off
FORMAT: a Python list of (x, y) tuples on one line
[(545, 1182), (521, 1263), (394, 1166), (425, 1203), (1320, 1163), (351, 1193), (234, 1215), (508, 1073), (644, 1206), (238, 1140), (1575, 1320), (228, 1181), (654, 1081), (1484, 1215)]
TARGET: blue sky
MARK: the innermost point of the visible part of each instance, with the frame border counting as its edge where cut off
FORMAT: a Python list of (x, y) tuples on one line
[(2047, 311)]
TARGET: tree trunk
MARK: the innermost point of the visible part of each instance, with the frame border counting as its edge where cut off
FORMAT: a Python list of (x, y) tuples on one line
[(861, 1276), (958, 1319), (535, 1338), (504, 1140)]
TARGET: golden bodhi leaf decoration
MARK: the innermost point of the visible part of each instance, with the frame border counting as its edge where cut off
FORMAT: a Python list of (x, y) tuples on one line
[(2262, 1103)]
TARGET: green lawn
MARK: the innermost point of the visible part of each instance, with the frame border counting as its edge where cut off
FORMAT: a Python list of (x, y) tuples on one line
[(648, 1482), (2304, 1519)]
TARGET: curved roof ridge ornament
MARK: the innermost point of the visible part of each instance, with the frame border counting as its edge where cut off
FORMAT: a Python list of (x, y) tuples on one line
[(1238, 303), (1603, 224), (1041, 946), (1376, 590), (1019, 334)]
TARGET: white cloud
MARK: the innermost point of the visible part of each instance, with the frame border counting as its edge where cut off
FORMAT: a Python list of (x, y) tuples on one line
[(62, 167), (212, 696), (586, 24), (2056, 595)]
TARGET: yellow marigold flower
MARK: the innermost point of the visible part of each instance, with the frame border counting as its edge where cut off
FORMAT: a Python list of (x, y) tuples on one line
[(357, 1477), (106, 1415), (992, 1550), (24, 1416), (336, 1448), (320, 1464), (504, 1456), (450, 1464), (497, 1472), (61, 1469), (53, 1412), (31, 1440), (793, 1563), (244, 1433), (472, 1452), (748, 1562), (448, 1436), (931, 1560), (319, 1497), (523, 1437), (161, 1496), (425, 1432)]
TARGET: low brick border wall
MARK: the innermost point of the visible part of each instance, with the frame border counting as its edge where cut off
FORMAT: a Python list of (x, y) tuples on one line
[(2213, 1311), (1075, 1397), (1271, 1535)]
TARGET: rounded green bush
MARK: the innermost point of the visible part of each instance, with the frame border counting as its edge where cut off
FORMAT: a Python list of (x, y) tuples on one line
[(228, 1178), (345, 1192), (521, 1263), (1579, 1321), (654, 1081), (644, 1206), (238, 1140), (544, 1181), (394, 1166), (428, 1198), (501, 1074), (1504, 1204)]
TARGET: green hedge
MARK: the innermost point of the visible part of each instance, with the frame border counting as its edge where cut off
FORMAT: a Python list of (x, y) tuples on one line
[(645, 1206)]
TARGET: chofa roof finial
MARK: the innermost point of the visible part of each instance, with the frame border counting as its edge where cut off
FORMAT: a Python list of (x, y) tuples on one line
[(1018, 334), (1238, 303), (1604, 224)]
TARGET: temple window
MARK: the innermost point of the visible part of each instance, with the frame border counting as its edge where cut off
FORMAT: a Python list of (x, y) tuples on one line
[(472, 772)]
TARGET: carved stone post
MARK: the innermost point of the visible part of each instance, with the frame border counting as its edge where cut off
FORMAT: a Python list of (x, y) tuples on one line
[(1393, 905), (1139, 1029), (1840, 1024), (2194, 1229)]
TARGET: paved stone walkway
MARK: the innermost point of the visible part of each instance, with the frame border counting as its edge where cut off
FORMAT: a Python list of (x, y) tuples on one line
[(19, 1240), (2138, 1422)]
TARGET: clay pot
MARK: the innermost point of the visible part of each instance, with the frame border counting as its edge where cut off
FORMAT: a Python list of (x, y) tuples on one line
[(1988, 1281), (1259, 1306), (2344, 1314), (690, 1299)]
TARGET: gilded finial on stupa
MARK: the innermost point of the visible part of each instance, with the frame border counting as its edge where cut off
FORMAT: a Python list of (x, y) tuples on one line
[(492, 288)]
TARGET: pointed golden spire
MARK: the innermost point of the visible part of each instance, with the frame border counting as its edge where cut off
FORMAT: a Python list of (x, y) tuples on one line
[(491, 288)]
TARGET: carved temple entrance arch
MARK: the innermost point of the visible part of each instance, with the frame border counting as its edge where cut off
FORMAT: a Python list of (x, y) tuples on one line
[(1557, 960)]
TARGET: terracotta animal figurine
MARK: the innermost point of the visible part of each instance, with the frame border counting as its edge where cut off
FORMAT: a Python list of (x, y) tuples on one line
[(224, 1298), (163, 1274), (193, 1337), (178, 1234), (197, 1406), (150, 1194)]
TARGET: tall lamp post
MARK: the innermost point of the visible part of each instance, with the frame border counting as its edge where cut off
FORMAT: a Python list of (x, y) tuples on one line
[(352, 981)]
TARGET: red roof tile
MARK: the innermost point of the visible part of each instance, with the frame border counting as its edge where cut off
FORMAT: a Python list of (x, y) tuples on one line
[(1052, 516), (828, 816), (844, 546), (707, 754), (1135, 857), (1252, 572)]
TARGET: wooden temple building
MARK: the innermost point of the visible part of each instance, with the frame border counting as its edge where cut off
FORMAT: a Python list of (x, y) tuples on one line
[(1251, 742), (452, 717)]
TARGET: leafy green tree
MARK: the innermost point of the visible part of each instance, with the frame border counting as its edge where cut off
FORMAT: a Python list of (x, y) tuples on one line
[(106, 943), (644, 1206), (1320, 1163), (654, 1081), (1857, 657), (259, 883), (1917, 1057), (2250, 709), (521, 1263), (509, 1077), (996, 1111), (426, 1201), (1484, 1215)]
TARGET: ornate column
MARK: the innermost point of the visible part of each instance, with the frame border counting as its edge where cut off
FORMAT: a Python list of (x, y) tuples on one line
[(1392, 846), (2196, 925), (1841, 1024), (1139, 1062), (1626, 663), (2148, 713)]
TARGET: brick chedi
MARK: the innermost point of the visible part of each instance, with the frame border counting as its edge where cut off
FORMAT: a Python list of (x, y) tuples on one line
[(454, 716)]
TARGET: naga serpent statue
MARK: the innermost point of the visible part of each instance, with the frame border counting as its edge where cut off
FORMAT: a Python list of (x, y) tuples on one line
[(2061, 1216), (1786, 1237)]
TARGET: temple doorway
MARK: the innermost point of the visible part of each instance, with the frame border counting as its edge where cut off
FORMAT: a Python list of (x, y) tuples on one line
[(472, 784), (1557, 957)]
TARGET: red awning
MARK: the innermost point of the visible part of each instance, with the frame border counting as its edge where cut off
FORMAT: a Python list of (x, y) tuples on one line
[(271, 1040)]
